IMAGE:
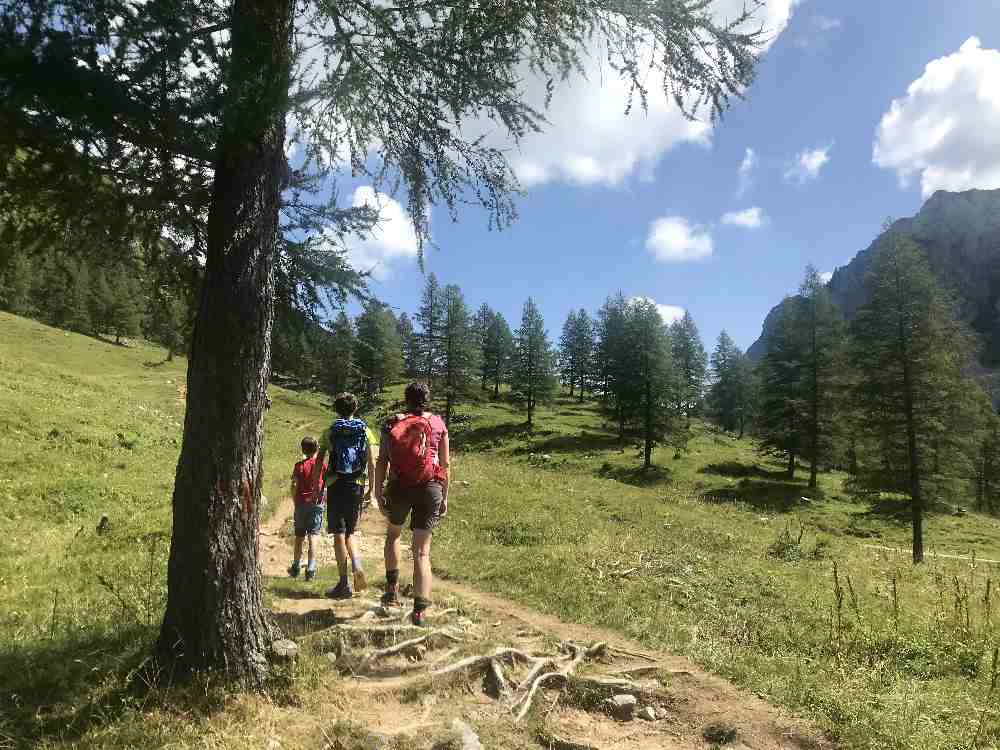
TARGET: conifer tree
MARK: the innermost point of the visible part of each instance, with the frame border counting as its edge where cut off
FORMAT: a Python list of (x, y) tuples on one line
[(533, 374), (378, 348), (988, 464), (408, 340), (690, 365), (780, 424), (167, 317), (614, 357), (909, 352), (821, 331), (576, 350), (16, 281), (481, 323), (123, 312), (338, 369), (430, 318), (648, 381), (498, 352), (723, 393), (460, 350)]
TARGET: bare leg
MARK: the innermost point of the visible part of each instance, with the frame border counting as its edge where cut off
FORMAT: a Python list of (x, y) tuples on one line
[(352, 554), (392, 535), (312, 552), (422, 563), (340, 547)]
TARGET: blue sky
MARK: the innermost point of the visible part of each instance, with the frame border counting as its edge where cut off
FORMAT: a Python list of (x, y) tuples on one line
[(638, 202)]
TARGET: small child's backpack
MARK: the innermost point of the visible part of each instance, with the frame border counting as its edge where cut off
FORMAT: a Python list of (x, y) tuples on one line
[(410, 453), (349, 446)]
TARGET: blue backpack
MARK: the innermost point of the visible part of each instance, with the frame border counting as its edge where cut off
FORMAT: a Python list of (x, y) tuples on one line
[(349, 446)]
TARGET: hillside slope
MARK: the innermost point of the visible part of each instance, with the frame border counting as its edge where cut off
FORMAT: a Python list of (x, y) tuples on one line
[(960, 233)]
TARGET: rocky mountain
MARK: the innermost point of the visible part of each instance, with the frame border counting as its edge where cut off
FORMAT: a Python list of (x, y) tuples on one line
[(960, 232)]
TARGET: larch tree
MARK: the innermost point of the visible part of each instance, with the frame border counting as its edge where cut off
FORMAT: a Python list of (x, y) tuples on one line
[(576, 350), (614, 357), (724, 394), (649, 379), (781, 382), (533, 378), (481, 323), (822, 334), (498, 351), (909, 354), (430, 318), (460, 350), (338, 369), (378, 348), (387, 85), (690, 366), (408, 339)]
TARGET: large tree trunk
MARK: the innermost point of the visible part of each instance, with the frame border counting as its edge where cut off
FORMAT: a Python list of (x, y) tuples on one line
[(215, 618), (791, 465), (647, 454)]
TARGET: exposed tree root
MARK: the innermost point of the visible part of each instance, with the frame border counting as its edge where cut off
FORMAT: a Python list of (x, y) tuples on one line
[(551, 742), (404, 645), (558, 677)]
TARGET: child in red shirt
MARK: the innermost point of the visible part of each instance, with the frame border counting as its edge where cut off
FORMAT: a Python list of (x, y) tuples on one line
[(308, 507)]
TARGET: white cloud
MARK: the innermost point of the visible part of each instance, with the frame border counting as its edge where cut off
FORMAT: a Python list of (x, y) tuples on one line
[(808, 164), (826, 23), (748, 218), (672, 239), (946, 130), (746, 169), (826, 276), (817, 31), (589, 139), (668, 313), (393, 238)]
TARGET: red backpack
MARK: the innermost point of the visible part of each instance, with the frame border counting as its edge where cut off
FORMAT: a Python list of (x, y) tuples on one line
[(410, 452)]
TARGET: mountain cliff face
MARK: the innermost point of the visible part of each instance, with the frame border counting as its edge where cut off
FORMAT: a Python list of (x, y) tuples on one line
[(960, 233)]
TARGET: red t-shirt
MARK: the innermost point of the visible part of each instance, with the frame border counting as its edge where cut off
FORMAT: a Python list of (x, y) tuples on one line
[(302, 476)]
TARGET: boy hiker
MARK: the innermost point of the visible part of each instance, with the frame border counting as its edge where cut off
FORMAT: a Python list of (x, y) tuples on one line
[(350, 444), (415, 454), (308, 507)]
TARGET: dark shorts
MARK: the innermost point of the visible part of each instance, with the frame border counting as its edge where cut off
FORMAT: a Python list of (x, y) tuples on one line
[(308, 519), (343, 506), (422, 504)]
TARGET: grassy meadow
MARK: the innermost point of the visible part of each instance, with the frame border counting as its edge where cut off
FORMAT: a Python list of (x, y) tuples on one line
[(714, 555)]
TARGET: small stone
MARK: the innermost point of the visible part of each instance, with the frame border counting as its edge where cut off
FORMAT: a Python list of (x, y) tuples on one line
[(661, 712), (332, 658), (470, 740), (648, 713), (465, 483), (621, 706), (272, 744), (285, 649)]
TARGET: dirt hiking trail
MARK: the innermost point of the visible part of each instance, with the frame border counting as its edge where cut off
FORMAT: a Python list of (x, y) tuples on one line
[(513, 676)]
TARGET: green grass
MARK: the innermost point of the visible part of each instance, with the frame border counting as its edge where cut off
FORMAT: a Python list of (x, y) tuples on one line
[(717, 556), (713, 555), (87, 428)]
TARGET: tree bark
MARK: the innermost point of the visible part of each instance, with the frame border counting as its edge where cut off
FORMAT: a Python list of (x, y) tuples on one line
[(215, 618), (791, 464)]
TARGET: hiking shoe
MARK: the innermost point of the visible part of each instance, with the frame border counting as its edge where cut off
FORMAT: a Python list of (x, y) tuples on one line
[(293, 570), (360, 581), (418, 618), (391, 599), (341, 591), (310, 573)]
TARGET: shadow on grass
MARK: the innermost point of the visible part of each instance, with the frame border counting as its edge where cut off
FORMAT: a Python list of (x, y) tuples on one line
[(772, 496), (151, 364), (489, 437), (737, 470), (582, 442), (58, 690), (637, 476), (297, 624)]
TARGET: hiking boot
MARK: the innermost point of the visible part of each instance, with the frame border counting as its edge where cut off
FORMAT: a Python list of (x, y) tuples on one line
[(391, 598), (418, 617), (293, 570), (360, 581), (310, 573), (341, 591)]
